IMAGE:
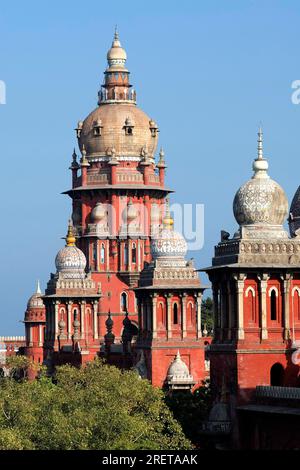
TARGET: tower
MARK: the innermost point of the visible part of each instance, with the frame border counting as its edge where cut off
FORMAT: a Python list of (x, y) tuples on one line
[(255, 281), (72, 302), (117, 191), (170, 344), (35, 320)]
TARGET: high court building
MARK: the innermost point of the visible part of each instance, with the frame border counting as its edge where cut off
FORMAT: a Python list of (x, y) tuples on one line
[(124, 289)]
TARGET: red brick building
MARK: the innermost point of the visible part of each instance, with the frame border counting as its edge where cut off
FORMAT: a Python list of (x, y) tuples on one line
[(94, 303), (256, 285)]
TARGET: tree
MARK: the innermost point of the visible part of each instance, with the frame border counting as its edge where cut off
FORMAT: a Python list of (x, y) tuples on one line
[(190, 409), (207, 313), (93, 407)]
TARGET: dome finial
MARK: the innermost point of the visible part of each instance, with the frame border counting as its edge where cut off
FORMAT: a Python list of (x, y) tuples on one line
[(260, 165), (116, 36), (38, 287), (260, 144), (70, 238), (168, 221)]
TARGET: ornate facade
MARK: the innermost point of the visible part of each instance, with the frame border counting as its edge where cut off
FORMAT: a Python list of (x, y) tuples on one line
[(117, 250), (256, 291)]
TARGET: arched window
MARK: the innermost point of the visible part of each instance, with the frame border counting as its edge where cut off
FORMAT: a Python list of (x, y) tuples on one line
[(190, 313), (296, 304), (123, 302), (102, 254), (95, 251), (175, 314), (273, 305), (276, 375), (251, 302), (125, 253), (161, 314), (133, 253)]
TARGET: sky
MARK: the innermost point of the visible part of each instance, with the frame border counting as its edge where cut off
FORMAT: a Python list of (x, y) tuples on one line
[(207, 71)]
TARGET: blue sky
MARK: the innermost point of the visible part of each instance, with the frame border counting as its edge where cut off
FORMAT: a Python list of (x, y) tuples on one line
[(207, 71)]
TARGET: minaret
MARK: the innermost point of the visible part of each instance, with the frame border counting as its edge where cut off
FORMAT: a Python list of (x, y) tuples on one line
[(35, 320), (120, 184)]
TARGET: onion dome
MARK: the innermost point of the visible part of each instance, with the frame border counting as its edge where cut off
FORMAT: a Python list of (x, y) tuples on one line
[(98, 213), (260, 201), (116, 56), (168, 244), (294, 218), (178, 375), (70, 261), (131, 212), (36, 300)]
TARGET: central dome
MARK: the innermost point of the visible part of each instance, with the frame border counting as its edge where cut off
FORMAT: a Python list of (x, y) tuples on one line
[(113, 118)]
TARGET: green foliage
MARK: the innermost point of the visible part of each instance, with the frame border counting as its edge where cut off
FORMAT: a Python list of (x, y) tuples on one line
[(207, 313), (190, 409), (94, 407)]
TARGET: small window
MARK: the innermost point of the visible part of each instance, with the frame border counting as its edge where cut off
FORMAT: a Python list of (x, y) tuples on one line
[(273, 301), (133, 253), (123, 302), (125, 254), (175, 314), (102, 254)]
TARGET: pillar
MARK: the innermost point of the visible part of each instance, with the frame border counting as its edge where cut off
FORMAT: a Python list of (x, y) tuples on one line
[(169, 318), (263, 283), (95, 318), (198, 306), (286, 305), (240, 284), (183, 314)]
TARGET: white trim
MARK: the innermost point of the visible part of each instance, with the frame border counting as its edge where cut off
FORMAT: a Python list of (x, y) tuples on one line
[(250, 289), (273, 288), (295, 289)]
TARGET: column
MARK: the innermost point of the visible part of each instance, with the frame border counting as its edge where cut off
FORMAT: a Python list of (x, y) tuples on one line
[(169, 316), (69, 305), (56, 318), (198, 306), (263, 278), (40, 336), (106, 244), (215, 289), (154, 313), (82, 317), (95, 317), (230, 310), (240, 284), (183, 314), (30, 335), (286, 305)]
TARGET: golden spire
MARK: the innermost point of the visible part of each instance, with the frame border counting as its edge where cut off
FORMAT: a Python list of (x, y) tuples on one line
[(70, 238), (168, 221)]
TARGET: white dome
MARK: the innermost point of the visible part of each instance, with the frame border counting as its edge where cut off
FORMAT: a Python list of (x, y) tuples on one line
[(178, 369), (36, 300), (260, 201), (70, 260), (168, 244)]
